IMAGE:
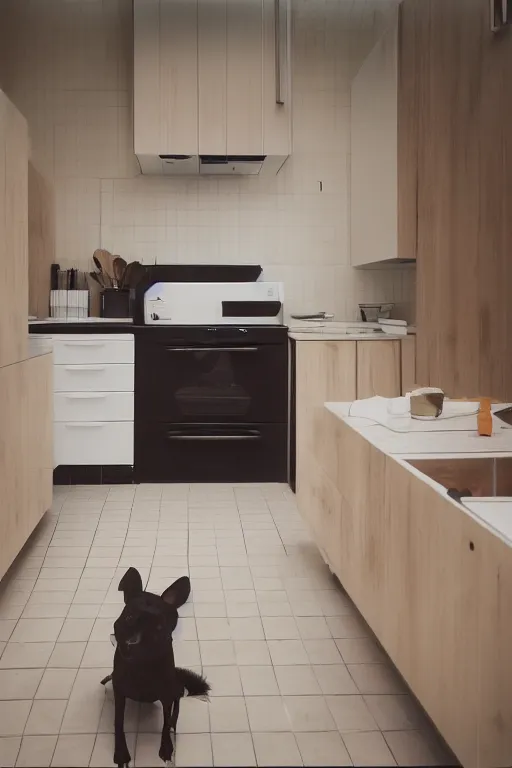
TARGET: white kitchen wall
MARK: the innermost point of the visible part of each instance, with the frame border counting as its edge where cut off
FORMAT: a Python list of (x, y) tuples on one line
[(67, 64)]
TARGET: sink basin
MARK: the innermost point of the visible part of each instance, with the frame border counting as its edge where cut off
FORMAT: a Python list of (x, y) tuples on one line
[(483, 477)]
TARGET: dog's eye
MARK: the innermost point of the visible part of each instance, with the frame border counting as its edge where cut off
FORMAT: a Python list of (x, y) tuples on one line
[(129, 619)]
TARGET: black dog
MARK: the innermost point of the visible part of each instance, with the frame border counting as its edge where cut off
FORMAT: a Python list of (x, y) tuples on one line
[(144, 668)]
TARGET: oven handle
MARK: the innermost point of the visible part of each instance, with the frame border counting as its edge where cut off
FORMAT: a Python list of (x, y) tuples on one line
[(212, 349), (214, 438)]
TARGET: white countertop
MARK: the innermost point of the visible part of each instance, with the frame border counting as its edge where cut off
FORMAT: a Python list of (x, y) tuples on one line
[(434, 443), (340, 331), (429, 439), (495, 513), (77, 320)]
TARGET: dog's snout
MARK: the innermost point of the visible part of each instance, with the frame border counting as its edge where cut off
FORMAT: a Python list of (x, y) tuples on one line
[(134, 639)]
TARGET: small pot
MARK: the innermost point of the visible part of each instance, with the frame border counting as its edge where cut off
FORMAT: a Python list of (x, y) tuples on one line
[(427, 403)]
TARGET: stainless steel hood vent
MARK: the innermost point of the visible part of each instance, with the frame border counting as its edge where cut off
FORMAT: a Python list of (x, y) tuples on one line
[(215, 165)]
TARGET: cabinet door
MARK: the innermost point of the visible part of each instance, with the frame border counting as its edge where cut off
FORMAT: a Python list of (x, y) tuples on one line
[(165, 77), (212, 63), (244, 77), (408, 362), (378, 369), (374, 155), (13, 233), (26, 461)]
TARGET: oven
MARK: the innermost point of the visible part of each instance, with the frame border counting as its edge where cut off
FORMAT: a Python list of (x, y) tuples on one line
[(211, 404), (222, 376)]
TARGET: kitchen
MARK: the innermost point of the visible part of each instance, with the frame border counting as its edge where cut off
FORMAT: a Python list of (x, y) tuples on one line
[(325, 187)]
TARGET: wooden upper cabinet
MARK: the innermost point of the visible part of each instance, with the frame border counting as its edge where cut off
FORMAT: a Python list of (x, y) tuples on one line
[(464, 265), (384, 139), (14, 152), (208, 76)]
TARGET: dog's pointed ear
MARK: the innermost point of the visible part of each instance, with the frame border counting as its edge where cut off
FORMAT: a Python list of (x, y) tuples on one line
[(131, 584), (178, 593)]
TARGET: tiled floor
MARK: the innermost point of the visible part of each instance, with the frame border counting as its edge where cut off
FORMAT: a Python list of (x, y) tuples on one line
[(296, 680)]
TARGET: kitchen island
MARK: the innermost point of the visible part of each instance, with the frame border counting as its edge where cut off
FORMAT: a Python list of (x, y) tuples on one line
[(431, 576)]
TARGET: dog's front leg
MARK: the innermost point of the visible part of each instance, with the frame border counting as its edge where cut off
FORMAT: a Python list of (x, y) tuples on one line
[(122, 756), (167, 753)]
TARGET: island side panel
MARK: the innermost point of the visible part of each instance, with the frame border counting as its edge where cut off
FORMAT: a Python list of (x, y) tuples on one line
[(403, 555)]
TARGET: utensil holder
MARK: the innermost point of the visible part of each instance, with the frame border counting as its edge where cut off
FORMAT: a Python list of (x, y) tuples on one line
[(116, 302)]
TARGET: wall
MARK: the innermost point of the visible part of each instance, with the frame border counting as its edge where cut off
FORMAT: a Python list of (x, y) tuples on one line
[(67, 65)]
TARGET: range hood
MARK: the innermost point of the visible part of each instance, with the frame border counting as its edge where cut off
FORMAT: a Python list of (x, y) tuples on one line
[(212, 87), (210, 165)]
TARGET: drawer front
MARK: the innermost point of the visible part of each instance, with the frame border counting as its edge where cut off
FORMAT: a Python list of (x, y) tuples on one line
[(93, 378), (93, 406), (81, 350), (93, 443), (209, 453)]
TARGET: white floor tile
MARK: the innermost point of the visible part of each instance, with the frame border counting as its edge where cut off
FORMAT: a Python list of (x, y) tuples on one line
[(9, 749), (193, 750), (276, 749), (19, 683), (228, 715), (45, 718), (72, 751), (13, 716), (36, 752), (259, 681), (267, 713), (323, 749), (297, 681), (293, 668), (368, 749), (233, 749)]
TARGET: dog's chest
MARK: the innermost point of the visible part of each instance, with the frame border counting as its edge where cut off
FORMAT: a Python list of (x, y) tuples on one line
[(146, 684)]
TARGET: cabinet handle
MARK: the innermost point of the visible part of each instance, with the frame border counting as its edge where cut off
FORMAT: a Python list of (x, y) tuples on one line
[(72, 368), (212, 349), (277, 31), (84, 344), (213, 438), (85, 396), (85, 425)]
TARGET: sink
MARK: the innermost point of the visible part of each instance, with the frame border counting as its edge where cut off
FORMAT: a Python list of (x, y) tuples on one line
[(483, 477)]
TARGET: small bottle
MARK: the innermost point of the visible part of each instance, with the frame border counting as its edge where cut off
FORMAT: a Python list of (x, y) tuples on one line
[(485, 418)]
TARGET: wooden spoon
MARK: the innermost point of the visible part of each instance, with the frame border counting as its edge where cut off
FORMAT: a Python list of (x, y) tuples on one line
[(135, 272), (104, 259), (119, 265)]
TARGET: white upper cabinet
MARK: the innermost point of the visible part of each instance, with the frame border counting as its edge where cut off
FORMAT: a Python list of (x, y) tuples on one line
[(212, 77), (374, 158)]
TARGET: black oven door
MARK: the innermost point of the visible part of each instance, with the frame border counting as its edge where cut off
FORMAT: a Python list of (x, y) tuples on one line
[(197, 383)]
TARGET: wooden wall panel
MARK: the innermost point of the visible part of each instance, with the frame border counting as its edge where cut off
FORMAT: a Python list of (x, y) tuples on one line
[(464, 312)]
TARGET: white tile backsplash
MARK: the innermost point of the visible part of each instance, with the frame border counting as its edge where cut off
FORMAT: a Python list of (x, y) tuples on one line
[(68, 65)]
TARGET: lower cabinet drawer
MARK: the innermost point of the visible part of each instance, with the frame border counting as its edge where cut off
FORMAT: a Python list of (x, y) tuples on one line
[(93, 378), (93, 442), (93, 406), (211, 453)]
